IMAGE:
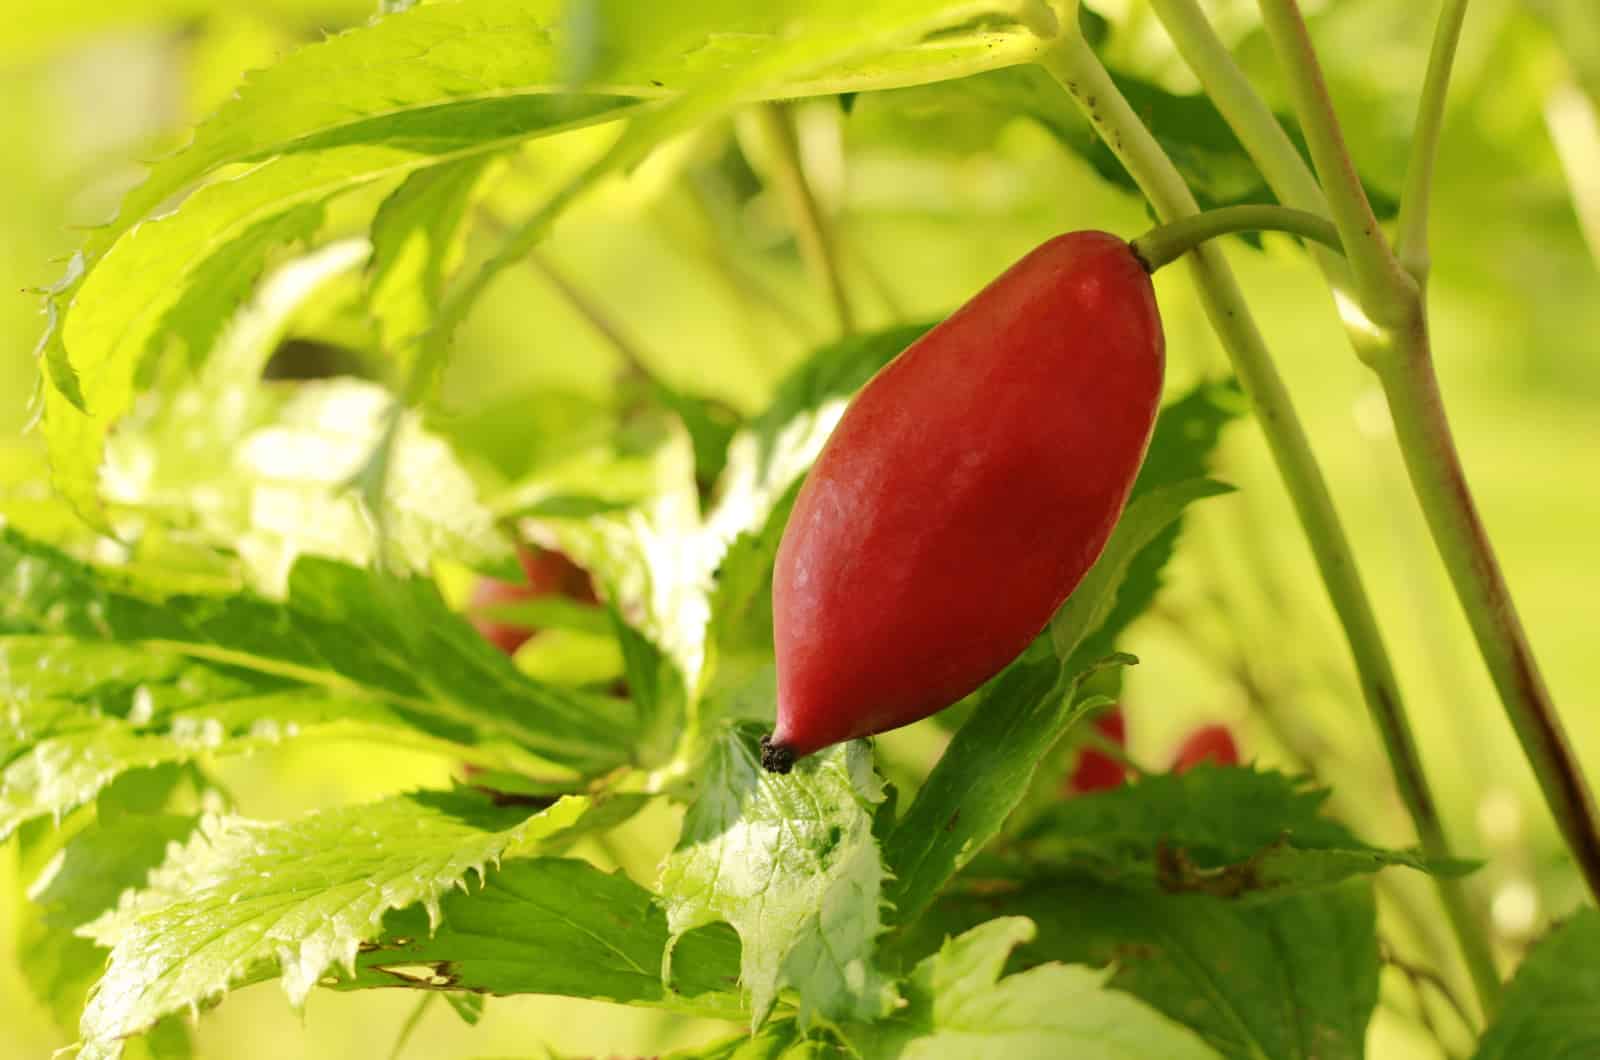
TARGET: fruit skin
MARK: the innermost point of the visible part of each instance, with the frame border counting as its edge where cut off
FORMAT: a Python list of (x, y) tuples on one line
[(549, 573), (965, 493), (1096, 770), (1208, 743)]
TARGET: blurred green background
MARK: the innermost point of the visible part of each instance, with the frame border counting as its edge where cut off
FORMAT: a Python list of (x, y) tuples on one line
[(929, 206)]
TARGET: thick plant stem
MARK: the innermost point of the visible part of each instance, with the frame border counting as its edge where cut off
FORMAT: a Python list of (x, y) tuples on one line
[(1440, 483), (810, 227), (1168, 242), (1294, 183), (1075, 65), (1400, 353)]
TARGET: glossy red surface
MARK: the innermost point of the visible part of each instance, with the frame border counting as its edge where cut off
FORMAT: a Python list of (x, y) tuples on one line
[(965, 493)]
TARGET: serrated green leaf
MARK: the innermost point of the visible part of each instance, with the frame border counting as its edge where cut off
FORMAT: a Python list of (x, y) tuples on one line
[(776, 1040), (1295, 978), (245, 900), (417, 240), (1142, 523), (983, 775), (361, 106), (1018, 717), (960, 1006), (80, 882), (347, 632), (277, 490), (1229, 832), (81, 714), (654, 565), (1547, 1012), (1181, 448), (554, 926), (791, 863), (175, 280)]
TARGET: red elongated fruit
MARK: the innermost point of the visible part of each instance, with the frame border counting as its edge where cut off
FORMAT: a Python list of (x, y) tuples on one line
[(1208, 743), (963, 496), (549, 573), (1096, 770)]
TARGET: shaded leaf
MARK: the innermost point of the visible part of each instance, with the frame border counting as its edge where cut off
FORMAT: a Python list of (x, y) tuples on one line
[(1228, 832), (553, 926), (1547, 1012)]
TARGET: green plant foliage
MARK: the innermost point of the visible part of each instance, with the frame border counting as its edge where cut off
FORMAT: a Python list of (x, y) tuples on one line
[(247, 900), (961, 1005), (209, 551), (1228, 832), (342, 633), (791, 863), (1296, 977), (1547, 1012), (1019, 717), (553, 926)]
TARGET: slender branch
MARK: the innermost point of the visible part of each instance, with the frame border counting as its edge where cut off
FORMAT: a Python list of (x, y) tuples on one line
[(810, 226), (410, 1025), (1439, 481), (1074, 64), (1168, 242), (1098, 741), (1419, 975), (1411, 239), (597, 318), (1385, 289)]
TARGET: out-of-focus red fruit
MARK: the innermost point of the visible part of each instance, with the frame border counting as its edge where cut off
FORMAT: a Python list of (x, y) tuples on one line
[(549, 573), (1096, 770), (1208, 743)]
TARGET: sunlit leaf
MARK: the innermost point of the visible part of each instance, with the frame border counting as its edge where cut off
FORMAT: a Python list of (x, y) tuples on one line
[(246, 900), (791, 863)]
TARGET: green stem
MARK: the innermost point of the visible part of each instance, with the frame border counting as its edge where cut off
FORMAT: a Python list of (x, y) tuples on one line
[(1074, 64), (1254, 123), (1385, 289), (810, 227), (1439, 481), (1293, 182), (1399, 351), (1411, 240), (1168, 242)]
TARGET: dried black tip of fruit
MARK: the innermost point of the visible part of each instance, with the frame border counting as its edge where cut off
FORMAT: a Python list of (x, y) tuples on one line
[(776, 757)]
